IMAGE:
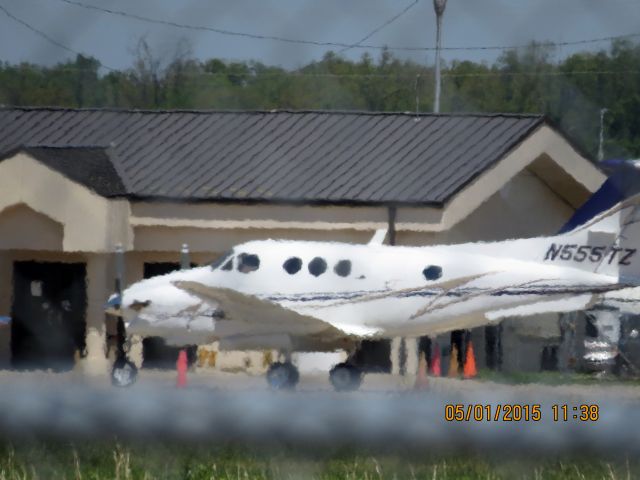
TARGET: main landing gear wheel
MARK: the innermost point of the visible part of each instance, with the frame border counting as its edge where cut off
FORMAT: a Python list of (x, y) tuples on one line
[(282, 376), (345, 377), (124, 373)]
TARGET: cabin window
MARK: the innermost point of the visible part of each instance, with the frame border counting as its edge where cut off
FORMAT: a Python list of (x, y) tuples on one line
[(432, 272), (228, 266), (225, 257), (248, 262), (343, 268), (292, 265), (317, 266)]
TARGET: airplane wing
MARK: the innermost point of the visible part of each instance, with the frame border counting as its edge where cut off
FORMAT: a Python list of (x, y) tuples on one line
[(571, 304), (249, 309)]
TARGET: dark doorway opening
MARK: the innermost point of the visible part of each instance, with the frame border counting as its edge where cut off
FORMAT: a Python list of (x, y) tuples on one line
[(161, 268), (155, 352), (374, 356), (48, 311), (425, 345), (493, 346), (549, 358)]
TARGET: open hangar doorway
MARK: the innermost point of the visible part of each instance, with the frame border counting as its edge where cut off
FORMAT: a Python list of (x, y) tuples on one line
[(48, 315)]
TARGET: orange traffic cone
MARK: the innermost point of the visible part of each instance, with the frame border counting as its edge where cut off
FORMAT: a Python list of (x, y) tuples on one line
[(453, 363), (470, 370), (435, 367), (181, 366), (421, 377)]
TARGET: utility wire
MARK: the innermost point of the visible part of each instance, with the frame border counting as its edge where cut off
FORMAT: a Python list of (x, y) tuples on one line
[(380, 27), (47, 37), (413, 76), (399, 76), (334, 44), (208, 29)]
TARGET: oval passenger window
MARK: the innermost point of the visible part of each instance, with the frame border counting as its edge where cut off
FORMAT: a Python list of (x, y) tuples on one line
[(317, 266), (432, 272), (343, 268), (292, 265), (248, 262)]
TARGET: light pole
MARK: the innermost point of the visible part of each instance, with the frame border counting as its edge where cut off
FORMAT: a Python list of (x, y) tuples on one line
[(438, 6), (601, 144)]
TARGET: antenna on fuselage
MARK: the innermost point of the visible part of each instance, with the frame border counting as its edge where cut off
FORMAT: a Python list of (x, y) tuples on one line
[(378, 237)]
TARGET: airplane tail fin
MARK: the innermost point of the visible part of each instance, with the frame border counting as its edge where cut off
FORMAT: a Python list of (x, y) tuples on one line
[(608, 244)]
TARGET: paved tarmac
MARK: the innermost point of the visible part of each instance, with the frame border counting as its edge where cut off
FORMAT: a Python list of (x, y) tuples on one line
[(221, 381)]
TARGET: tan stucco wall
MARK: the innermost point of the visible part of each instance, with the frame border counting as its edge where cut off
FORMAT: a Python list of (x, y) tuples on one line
[(544, 143), (215, 240), (523, 207), (228, 217), (90, 222), (24, 228)]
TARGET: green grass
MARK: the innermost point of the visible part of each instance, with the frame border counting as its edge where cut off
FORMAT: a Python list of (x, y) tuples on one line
[(111, 460), (553, 378)]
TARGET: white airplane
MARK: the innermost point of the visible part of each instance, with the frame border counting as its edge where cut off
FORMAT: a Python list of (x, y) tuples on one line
[(324, 296)]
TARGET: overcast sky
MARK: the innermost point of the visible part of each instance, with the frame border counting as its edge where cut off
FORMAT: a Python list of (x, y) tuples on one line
[(111, 38)]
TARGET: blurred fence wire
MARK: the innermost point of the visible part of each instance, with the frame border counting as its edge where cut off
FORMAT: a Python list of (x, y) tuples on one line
[(311, 420)]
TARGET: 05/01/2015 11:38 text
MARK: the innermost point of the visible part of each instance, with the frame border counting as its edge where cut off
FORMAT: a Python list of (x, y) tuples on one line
[(519, 412)]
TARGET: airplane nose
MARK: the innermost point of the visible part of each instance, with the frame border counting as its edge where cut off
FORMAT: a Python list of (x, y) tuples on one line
[(113, 304)]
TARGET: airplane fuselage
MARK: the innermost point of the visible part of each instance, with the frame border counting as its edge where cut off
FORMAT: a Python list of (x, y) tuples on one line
[(364, 290)]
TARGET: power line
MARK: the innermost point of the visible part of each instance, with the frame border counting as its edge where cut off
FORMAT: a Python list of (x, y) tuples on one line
[(544, 74), (413, 76), (399, 76), (336, 44), (380, 27), (47, 37), (210, 29)]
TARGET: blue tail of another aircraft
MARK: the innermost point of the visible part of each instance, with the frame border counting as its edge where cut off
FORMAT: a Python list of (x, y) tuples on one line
[(623, 183)]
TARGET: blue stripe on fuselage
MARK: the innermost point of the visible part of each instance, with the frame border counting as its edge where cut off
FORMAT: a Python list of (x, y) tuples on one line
[(524, 290)]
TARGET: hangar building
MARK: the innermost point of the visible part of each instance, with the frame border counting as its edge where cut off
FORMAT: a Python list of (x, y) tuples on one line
[(74, 183)]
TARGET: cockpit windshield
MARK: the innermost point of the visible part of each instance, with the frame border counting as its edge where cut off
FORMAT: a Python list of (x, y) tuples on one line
[(221, 260)]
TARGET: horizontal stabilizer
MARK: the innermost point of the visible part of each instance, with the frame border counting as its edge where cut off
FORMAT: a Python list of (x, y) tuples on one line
[(378, 237)]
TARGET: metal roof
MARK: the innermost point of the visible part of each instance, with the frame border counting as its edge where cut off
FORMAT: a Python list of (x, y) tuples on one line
[(89, 166), (279, 156)]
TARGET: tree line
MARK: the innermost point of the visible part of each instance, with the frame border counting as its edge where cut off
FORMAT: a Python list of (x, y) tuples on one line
[(571, 91)]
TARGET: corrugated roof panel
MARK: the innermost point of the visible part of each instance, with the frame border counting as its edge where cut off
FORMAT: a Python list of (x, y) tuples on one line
[(385, 159), (298, 151), (217, 159), (374, 136), (248, 175), (337, 170), (468, 166), (157, 158), (253, 152), (295, 171), (447, 157), (286, 156), (390, 169)]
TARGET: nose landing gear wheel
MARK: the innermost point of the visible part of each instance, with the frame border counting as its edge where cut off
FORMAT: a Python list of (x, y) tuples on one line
[(282, 376), (345, 377), (124, 373)]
